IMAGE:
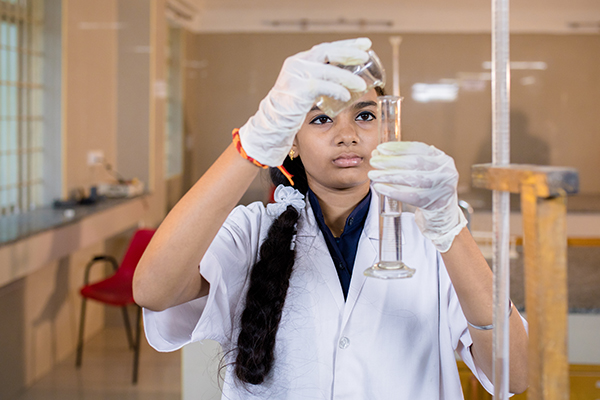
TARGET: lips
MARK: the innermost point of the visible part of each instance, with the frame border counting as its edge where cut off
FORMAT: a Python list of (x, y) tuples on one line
[(346, 160)]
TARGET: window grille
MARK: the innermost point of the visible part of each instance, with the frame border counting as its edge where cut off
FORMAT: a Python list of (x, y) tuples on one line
[(21, 113)]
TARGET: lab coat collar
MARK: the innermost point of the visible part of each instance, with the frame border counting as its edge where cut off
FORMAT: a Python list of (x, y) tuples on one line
[(366, 256), (308, 227), (311, 242), (371, 228), (307, 224)]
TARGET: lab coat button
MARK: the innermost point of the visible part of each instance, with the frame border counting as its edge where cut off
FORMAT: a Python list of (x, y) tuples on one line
[(344, 343)]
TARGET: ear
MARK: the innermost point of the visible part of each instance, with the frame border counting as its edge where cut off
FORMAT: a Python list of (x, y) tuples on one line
[(295, 148)]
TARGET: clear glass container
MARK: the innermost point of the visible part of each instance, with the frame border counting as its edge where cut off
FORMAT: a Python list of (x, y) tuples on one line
[(390, 265), (372, 72)]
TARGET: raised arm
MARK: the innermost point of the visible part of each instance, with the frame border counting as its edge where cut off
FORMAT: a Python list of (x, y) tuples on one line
[(167, 274), (473, 281), (425, 177)]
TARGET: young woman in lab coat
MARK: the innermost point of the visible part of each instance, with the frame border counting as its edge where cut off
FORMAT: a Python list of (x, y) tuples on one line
[(282, 287)]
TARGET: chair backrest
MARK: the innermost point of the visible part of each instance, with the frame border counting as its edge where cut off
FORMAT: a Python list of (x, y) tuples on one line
[(137, 246)]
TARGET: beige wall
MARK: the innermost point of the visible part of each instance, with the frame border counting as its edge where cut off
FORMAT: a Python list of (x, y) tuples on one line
[(554, 117), (39, 308), (91, 91), (133, 89)]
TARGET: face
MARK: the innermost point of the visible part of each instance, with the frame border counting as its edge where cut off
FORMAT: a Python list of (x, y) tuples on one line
[(336, 151)]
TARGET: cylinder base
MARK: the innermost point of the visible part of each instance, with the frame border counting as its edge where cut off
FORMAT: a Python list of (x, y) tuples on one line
[(390, 270)]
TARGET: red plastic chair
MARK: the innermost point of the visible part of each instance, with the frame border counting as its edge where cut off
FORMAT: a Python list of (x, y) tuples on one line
[(116, 290)]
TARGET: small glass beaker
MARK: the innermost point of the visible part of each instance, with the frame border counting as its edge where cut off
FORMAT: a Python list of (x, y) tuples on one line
[(372, 72), (390, 265)]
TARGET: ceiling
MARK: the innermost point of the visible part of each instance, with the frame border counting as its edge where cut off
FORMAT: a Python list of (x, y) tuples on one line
[(526, 16)]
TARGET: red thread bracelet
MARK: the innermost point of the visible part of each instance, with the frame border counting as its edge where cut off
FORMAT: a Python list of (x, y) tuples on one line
[(238, 146)]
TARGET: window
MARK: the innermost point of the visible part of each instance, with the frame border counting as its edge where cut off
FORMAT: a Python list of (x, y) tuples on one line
[(21, 113)]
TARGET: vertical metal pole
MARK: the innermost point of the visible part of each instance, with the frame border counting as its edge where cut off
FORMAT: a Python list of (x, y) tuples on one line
[(501, 205)]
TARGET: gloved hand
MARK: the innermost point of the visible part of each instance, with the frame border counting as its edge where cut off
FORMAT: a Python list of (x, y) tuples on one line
[(268, 135), (425, 177)]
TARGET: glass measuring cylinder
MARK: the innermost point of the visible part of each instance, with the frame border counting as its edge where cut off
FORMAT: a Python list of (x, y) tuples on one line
[(390, 265), (372, 72)]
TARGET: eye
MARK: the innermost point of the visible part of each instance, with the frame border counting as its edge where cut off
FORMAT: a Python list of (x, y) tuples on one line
[(321, 120), (365, 116)]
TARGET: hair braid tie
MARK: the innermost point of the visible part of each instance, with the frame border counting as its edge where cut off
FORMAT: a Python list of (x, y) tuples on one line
[(285, 196)]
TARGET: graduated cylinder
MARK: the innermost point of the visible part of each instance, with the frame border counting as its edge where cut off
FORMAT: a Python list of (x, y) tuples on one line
[(390, 265)]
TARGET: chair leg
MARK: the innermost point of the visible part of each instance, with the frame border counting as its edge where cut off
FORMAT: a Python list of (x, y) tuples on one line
[(127, 327), (136, 350), (80, 340)]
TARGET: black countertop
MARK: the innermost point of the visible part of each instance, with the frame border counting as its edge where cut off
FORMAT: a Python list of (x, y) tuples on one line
[(20, 226)]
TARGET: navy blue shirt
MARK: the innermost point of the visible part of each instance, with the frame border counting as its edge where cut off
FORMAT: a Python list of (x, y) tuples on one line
[(343, 249)]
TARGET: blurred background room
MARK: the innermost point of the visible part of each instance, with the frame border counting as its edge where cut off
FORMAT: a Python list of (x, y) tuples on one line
[(110, 111)]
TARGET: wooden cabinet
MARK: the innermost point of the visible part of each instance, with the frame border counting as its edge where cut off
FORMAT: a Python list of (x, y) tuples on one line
[(585, 382), (584, 379)]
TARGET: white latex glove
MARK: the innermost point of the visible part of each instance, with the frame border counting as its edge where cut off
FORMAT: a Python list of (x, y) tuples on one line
[(268, 135), (425, 177)]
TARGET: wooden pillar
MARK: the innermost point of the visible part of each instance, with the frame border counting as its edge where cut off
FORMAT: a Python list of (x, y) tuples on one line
[(543, 205)]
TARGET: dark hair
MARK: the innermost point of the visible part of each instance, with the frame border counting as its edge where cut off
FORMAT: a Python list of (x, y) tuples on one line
[(269, 282)]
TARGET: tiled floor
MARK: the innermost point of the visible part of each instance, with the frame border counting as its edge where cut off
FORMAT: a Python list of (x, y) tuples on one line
[(106, 373)]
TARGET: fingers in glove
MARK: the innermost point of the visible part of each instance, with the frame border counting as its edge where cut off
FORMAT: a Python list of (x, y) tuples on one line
[(325, 72), (408, 195), (423, 198), (405, 148), (435, 180), (347, 52), (330, 89), (361, 43), (411, 162), (407, 178)]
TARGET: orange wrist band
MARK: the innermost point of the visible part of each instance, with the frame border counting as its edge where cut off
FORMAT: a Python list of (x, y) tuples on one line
[(238, 146)]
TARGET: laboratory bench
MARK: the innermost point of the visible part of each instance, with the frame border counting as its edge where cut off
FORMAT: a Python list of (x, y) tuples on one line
[(31, 240), (20, 226), (583, 280), (584, 380)]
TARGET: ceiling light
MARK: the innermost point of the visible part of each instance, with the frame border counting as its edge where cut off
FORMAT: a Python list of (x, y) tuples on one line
[(305, 23), (428, 92), (535, 65)]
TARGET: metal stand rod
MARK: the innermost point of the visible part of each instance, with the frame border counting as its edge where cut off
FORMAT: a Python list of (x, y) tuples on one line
[(501, 205)]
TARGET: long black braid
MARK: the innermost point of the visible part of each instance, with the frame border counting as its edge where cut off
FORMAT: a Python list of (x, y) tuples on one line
[(269, 282)]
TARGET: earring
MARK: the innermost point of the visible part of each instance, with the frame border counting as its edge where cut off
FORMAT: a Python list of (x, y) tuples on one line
[(292, 152)]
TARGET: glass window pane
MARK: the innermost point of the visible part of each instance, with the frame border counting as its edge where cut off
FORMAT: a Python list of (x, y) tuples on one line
[(21, 94)]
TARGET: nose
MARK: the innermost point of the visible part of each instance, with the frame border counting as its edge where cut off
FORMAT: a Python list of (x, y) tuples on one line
[(346, 133)]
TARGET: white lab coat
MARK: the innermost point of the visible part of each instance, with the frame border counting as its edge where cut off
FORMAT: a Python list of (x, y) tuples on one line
[(393, 339)]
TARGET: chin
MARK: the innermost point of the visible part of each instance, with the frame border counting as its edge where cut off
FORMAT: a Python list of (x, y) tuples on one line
[(350, 183), (341, 178)]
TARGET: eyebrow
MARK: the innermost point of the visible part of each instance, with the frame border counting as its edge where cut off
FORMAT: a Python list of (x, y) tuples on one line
[(357, 106), (364, 104)]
